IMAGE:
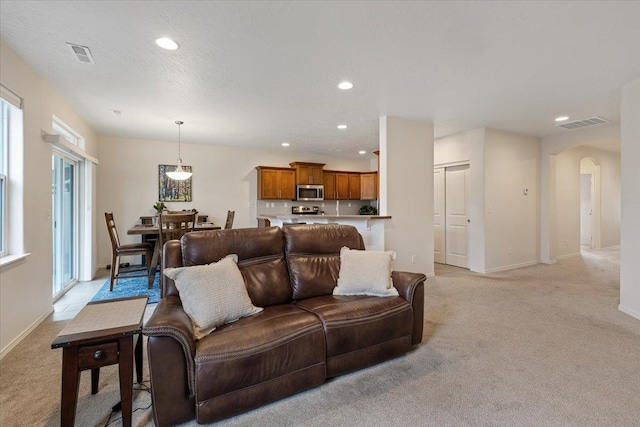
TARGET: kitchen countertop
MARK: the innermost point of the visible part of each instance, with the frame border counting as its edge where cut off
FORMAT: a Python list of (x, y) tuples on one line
[(298, 216)]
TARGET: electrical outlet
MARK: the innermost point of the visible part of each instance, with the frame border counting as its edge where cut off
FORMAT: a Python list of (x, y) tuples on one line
[(273, 205), (525, 191), (509, 250), (286, 204), (349, 204), (413, 259), (566, 243), (267, 205)]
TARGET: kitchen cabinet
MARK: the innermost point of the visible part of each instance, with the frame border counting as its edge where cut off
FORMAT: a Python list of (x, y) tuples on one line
[(308, 173), (368, 186), (329, 181), (347, 185), (276, 183)]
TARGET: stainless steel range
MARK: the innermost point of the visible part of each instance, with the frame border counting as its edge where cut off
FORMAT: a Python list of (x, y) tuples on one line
[(304, 210)]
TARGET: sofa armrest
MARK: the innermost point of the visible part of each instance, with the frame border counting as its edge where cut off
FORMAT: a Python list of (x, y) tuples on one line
[(170, 320), (410, 286)]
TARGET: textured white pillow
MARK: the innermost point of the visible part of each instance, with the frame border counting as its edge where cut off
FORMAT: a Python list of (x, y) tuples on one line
[(365, 273), (213, 294)]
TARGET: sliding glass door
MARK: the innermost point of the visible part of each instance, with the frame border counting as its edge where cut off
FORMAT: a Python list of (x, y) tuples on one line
[(64, 222)]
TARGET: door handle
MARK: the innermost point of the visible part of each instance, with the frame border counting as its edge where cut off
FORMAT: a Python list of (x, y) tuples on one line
[(469, 221)]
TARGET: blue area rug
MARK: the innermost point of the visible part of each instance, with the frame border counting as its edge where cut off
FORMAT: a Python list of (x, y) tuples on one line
[(130, 287)]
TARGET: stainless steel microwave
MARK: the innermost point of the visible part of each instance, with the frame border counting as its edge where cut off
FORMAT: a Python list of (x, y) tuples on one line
[(309, 192)]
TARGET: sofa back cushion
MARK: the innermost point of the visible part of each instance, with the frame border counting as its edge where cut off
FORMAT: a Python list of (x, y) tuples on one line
[(313, 256), (260, 259)]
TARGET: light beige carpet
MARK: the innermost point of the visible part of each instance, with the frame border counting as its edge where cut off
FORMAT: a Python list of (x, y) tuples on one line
[(541, 345)]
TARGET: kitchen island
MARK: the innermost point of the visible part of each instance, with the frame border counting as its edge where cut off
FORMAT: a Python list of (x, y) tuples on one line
[(371, 227)]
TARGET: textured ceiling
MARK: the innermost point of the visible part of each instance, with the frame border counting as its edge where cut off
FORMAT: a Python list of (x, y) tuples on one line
[(255, 74)]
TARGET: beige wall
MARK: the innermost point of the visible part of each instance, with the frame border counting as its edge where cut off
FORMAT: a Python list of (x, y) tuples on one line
[(26, 286), (511, 218), (630, 226)]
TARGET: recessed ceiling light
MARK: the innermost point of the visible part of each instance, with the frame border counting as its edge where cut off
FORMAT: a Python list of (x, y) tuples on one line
[(562, 118), (342, 126), (361, 152), (345, 85), (167, 43), (285, 144)]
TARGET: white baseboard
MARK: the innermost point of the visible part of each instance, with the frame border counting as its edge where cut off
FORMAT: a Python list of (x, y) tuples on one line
[(511, 267), (611, 248), (629, 311), (24, 333), (568, 255)]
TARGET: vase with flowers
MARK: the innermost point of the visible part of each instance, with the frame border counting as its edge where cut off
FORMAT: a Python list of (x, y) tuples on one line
[(159, 207)]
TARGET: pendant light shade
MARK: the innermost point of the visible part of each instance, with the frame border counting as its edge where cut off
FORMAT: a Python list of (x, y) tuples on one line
[(179, 174)]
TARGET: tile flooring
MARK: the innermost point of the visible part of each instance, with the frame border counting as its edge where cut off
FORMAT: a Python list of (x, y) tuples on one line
[(77, 297)]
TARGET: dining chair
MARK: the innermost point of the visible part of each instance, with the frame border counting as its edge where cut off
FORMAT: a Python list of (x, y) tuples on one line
[(263, 222), (119, 250), (175, 225), (229, 223)]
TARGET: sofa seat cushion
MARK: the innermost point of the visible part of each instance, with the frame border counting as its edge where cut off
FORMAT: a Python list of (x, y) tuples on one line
[(361, 330), (258, 359)]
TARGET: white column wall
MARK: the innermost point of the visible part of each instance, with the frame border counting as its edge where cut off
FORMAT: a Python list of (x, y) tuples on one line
[(406, 191), (630, 225)]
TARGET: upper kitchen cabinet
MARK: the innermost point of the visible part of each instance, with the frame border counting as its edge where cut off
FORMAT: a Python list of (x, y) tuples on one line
[(329, 181), (369, 186), (276, 183), (348, 185), (308, 173)]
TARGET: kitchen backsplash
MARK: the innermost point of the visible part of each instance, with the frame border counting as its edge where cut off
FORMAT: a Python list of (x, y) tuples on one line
[(330, 207)]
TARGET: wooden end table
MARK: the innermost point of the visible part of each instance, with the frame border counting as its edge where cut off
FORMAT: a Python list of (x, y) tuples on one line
[(100, 335)]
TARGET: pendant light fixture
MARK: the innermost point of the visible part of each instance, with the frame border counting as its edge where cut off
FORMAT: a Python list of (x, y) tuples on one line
[(179, 174)]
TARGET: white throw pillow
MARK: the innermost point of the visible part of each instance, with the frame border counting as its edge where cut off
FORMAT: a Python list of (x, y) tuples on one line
[(213, 294), (365, 273)]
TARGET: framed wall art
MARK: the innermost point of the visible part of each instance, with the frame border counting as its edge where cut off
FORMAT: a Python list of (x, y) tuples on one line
[(170, 190)]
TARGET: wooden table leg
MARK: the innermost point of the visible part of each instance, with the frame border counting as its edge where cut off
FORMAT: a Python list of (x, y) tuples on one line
[(126, 378), (95, 378), (70, 381), (138, 356)]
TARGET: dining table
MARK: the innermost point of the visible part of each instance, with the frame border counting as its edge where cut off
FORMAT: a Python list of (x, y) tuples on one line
[(150, 232)]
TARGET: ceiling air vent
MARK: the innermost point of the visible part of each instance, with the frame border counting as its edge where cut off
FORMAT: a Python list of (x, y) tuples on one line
[(582, 123), (82, 53)]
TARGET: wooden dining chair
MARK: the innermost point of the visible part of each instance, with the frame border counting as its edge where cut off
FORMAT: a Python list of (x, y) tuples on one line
[(119, 250), (229, 223), (173, 227)]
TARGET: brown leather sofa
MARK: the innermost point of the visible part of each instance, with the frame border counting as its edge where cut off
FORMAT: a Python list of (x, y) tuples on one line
[(303, 336)]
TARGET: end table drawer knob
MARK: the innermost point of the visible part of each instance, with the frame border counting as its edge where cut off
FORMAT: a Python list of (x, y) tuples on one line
[(98, 355)]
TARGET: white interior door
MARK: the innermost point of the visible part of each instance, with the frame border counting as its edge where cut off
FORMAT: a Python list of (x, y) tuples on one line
[(586, 210), (438, 215), (456, 215)]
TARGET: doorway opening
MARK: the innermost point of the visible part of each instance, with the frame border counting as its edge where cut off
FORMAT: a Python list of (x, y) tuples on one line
[(589, 203)]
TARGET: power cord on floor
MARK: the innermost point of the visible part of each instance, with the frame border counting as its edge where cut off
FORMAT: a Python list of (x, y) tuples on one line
[(118, 406)]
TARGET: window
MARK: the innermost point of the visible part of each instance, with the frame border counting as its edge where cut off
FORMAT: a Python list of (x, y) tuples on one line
[(11, 175), (4, 144), (61, 128)]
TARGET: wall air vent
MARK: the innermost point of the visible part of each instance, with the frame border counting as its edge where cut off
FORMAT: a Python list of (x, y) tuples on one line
[(582, 123), (82, 53)]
